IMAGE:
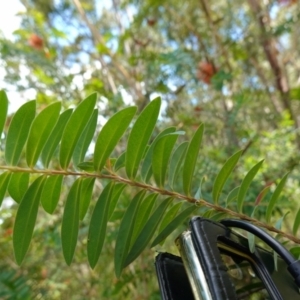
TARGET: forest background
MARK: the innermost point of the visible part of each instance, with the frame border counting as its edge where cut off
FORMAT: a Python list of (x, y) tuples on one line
[(232, 65)]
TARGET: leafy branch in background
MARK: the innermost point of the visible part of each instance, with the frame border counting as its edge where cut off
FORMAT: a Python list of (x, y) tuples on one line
[(158, 205)]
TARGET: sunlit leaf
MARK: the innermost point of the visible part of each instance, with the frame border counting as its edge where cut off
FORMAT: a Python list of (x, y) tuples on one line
[(177, 221), (3, 110), (110, 135), (85, 139), (245, 185), (191, 159), (296, 223), (18, 185), (118, 189), (74, 128), (146, 170), (54, 138), (147, 232), (70, 222), (224, 174), (85, 195), (275, 197), (139, 137), (39, 132), (18, 132), (4, 181), (26, 218), (98, 225), (51, 193), (125, 232), (161, 155)]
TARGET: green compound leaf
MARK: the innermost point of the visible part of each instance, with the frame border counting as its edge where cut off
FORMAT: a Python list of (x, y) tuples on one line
[(161, 155), (54, 138), (245, 185), (85, 139), (3, 110), (224, 174), (98, 225), (39, 132), (70, 222), (177, 221), (139, 137), (86, 192), (125, 232), (110, 135), (191, 159), (275, 197), (18, 185), (18, 132), (74, 128), (4, 181), (146, 170), (51, 193), (147, 232), (26, 218)]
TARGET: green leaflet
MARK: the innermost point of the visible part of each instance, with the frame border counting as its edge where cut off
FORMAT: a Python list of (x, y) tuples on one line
[(74, 128), (296, 222), (143, 214), (87, 166), (51, 193), (3, 110), (70, 222), (54, 138), (161, 155), (245, 185), (224, 174), (191, 159), (86, 191), (39, 132), (18, 132), (275, 197), (176, 162), (85, 139), (18, 185), (120, 162), (118, 189), (4, 181), (170, 215), (146, 170), (25, 219), (98, 225), (125, 232), (178, 220), (139, 137), (110, 135), (147, 232), (232, 195)]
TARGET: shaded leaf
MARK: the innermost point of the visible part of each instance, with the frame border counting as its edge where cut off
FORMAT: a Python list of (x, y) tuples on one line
[(3, 110), (275, 197), (191, 159), (86, 166), (74, 128), (198, 194), (262, 195), (147, 232), (85, 139), (26, 218), (161, 155), (98, 225), (146, 170), (39, 132), (18, 185), (170, 215), (125, 232), (51, 193), (245, 185), (118, 189), (4, 181), (178, 220), (120, 162), (224, 174), (110, 135), (176, 162), (18, 132), (70, 222), (296, 223), (140, 135), (54, 138), (85, 195), (232, 195)]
